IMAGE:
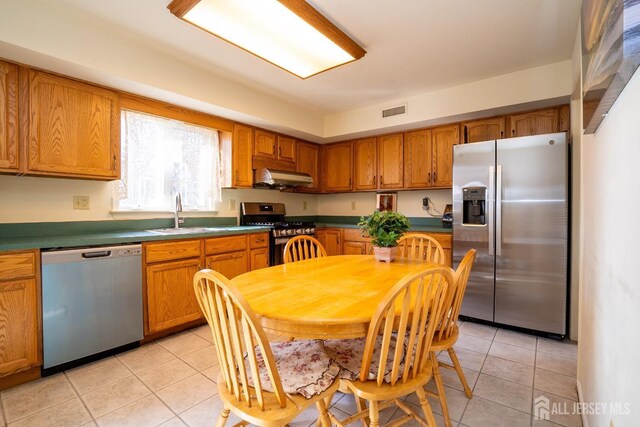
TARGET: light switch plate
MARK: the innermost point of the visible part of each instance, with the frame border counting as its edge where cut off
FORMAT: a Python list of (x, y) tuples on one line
[(232, 204), (81, 203), (304, 205)]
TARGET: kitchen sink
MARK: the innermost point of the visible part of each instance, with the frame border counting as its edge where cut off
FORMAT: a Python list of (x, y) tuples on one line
[(184, 230)]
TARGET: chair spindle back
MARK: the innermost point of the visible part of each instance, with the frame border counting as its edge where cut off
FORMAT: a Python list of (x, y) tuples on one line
[(303, 247), (421, 246)]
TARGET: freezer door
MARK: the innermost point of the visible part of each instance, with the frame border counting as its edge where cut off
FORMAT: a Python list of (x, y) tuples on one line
[(473, 166), (531, 232)]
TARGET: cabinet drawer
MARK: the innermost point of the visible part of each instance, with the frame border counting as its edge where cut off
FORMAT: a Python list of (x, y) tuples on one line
[(18, 264), (354, 235), (260, 240), (221, 245), (167, 251)]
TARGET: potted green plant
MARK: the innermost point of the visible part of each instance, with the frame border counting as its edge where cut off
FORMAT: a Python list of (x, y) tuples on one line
[(384, 228)]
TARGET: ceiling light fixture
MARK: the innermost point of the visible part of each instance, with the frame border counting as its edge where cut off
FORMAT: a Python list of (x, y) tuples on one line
[(287, 33)]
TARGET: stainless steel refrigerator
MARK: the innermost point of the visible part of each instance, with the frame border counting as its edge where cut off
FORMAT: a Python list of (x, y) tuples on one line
[(510, 203)]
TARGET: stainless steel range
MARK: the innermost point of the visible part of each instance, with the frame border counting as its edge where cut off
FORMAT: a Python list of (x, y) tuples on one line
[(273, 215)]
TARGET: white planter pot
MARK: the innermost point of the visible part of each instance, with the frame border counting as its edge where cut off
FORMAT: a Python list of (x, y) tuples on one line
[(385, 254)]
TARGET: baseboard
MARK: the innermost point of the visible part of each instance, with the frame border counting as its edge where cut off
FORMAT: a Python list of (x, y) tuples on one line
[(583, 416)]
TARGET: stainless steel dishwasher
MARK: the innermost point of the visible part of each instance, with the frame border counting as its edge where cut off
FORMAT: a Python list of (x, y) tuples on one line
[(91, 302)]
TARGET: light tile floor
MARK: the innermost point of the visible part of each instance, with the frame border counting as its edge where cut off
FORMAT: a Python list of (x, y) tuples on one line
[(170, 382)]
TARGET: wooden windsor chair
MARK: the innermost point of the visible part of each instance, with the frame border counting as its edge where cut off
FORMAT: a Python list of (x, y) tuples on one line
[(393, 360), (447, 334), (303, 247), (421, 246), (250, 383)]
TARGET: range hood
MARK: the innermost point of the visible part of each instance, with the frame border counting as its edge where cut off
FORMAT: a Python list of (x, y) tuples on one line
[(271, 178)]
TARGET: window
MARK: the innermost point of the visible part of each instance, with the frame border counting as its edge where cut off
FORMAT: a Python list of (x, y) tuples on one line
[(163, 157)]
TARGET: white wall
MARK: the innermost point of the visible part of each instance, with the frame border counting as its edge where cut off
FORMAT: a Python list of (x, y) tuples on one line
[(552, 81), (609, 342), (409, 203)]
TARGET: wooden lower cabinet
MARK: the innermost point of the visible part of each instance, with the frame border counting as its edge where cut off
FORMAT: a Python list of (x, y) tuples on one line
[(170, 296), (259, 258), (331, 239), (231, 264), (19, 312), (357, 248)]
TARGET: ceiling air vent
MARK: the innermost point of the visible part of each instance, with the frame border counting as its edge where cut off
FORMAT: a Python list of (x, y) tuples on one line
[(395, 111)]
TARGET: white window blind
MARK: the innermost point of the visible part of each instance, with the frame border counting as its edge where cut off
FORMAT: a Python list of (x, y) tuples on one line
[(162, 157)]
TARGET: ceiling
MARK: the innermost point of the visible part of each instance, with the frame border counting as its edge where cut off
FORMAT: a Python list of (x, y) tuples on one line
[(413, 46)]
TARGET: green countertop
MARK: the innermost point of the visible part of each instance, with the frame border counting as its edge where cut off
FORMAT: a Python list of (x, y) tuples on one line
[(46, 235)]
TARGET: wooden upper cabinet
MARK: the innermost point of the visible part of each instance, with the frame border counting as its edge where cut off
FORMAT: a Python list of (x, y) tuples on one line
[(417, 159), (390, 161), (308, 160), (484, 130), (71, 128), (535, 123), (337, 166), (442, 141), (242, 147), (264, 144), (365, 164), (9, 158), (565, 118), (286, 148)]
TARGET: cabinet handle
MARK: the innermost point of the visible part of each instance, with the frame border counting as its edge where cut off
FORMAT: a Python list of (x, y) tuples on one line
[(279, 151), (429, 178), (435, 177), (115, 160), (501, 134), (273, 149), (513, 132), (381, 180), (259, 240), (349, 182), (466, 137), (374, 180)]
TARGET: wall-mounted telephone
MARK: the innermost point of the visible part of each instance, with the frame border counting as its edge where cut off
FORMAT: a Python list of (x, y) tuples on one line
[(425, 203)]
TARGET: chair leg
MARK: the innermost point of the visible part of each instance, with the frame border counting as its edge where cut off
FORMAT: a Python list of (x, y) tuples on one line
[(361, 406), (441, 393), (323, 415), (224, 416), (456, 364), (426, 408), (374, 414)]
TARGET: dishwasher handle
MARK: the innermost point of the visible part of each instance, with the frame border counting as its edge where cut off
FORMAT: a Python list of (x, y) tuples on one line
[(97, 254)]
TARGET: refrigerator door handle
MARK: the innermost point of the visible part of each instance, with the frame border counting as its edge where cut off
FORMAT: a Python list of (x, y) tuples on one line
[(499, 210), (492, 189)]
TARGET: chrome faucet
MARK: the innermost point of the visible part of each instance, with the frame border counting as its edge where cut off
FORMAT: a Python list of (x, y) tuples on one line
[(177, 220)]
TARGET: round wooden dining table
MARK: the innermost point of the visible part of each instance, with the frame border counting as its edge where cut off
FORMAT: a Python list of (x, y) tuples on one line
[(328, 297)]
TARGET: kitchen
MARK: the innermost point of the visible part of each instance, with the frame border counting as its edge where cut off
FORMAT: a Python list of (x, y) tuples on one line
[(124, 63)]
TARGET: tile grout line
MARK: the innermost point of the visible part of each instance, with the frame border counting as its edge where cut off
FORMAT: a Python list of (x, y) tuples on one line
[(4, 415), (79, 396)]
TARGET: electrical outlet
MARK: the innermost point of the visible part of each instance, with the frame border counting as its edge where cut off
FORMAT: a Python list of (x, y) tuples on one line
[(232, 204), (304, 205), (353, 205), (81, 202)]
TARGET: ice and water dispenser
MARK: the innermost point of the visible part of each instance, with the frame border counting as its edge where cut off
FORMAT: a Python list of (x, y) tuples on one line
[(474, 203)]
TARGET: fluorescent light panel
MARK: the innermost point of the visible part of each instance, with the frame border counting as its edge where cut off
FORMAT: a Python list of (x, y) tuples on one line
[(274, 32)]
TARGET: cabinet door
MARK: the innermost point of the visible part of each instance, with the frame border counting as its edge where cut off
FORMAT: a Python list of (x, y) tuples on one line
[(337, 166), (417, 159), (8, 117), (390, 163), (365, 164), (259, 258), (242, 148), (442, 141), (74, 128), (231, 265), (307, 161), (535, 122), (332, 241), (264, 144), (171, 300), (483, 130), (19, 325), (286, 148), (354, 248), (564, 114)]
